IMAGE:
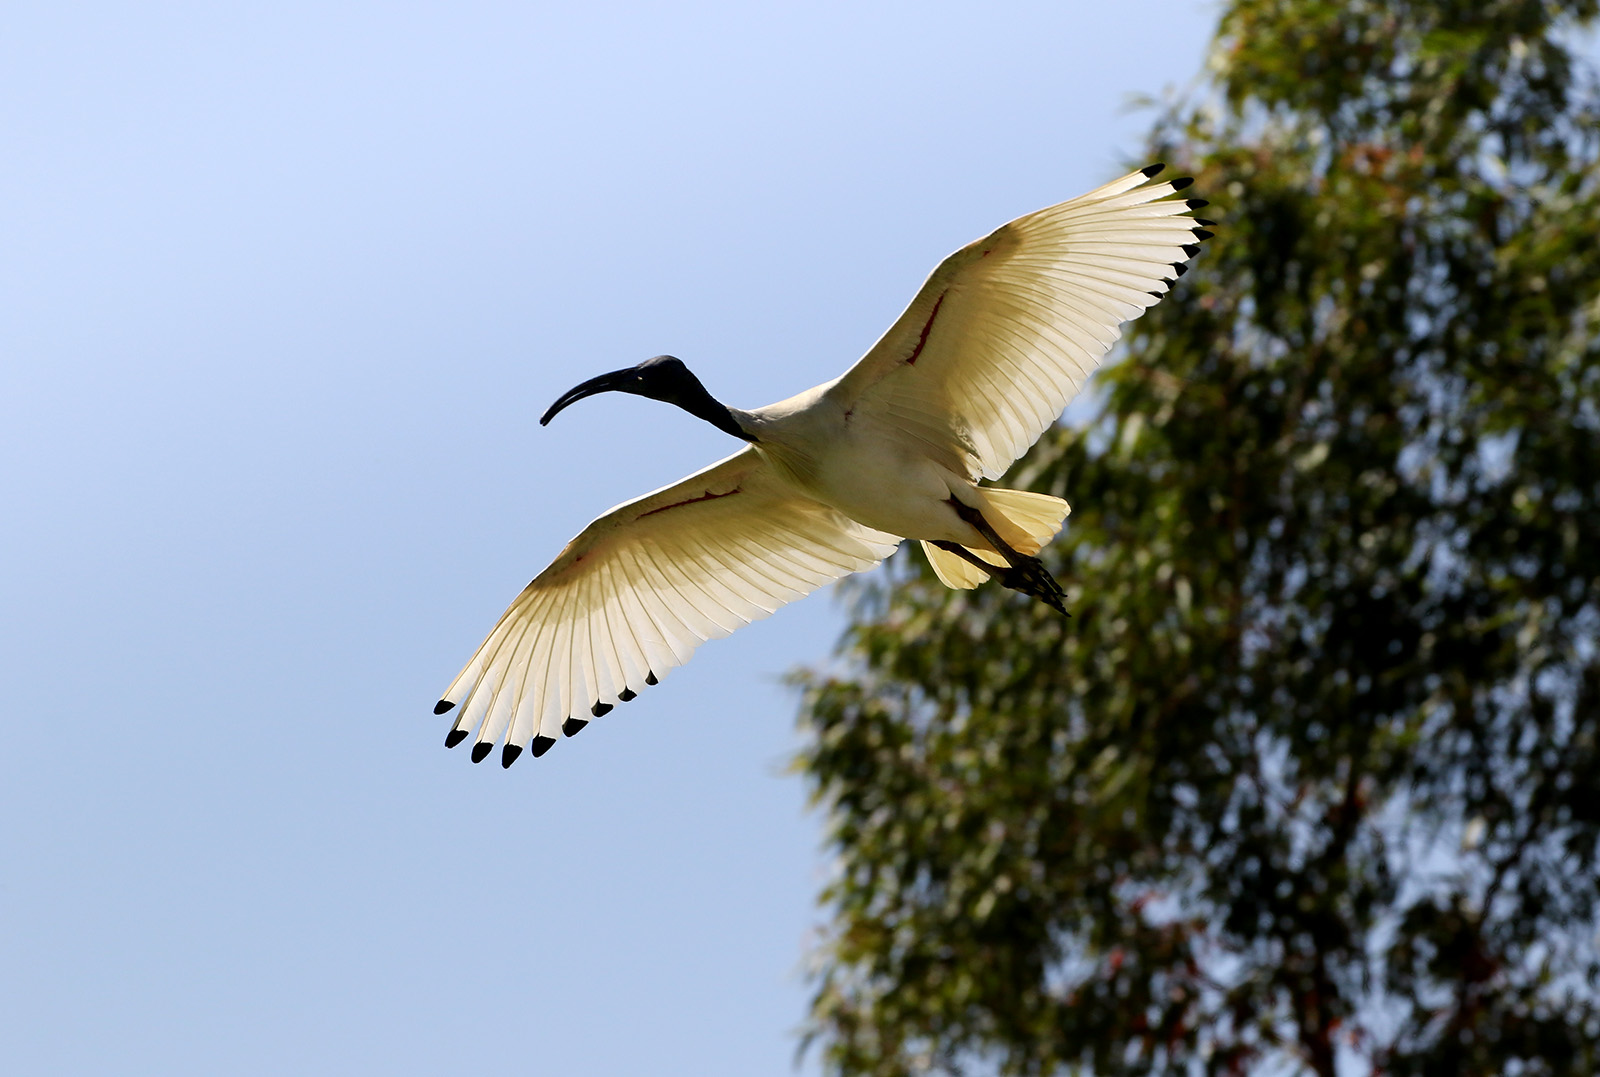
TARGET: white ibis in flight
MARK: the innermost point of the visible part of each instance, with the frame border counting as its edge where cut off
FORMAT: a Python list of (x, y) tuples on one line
[(829, 482)]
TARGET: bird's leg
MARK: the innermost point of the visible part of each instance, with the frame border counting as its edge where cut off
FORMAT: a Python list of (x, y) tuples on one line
[(994, 571), (1025, 574), (1016, 577)]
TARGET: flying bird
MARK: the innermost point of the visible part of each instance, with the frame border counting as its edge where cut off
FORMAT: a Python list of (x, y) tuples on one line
[(998, 340)]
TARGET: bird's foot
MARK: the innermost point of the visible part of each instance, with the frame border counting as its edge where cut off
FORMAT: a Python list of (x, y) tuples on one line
[(1030, 577)]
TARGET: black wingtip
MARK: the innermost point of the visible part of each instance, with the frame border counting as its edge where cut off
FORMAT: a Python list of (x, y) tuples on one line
[(1179, 268), (1181, 182), (1197, 203), (627, 695), (481, 750), (1168, 281), (454, 737), (1201, 233), (442, 706), (600, 710), (540, 745), (572, 727), (1191, 249), (650, 678), (1151, 170), (1157, 294), (509, 753), (1202, 220)]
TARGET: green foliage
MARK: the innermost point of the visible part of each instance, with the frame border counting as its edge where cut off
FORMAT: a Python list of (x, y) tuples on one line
[(1312, 777)]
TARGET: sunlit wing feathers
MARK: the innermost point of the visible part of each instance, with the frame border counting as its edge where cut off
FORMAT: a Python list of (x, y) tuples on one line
[(1006, 331), (642, 587)]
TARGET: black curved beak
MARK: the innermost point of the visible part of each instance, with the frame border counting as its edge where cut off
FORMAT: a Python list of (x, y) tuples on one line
[(617, 380)]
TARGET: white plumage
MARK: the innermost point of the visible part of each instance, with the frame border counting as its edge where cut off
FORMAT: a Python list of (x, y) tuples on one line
[(998, 340)]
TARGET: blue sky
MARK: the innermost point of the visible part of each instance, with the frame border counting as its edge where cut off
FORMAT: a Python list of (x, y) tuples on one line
[(283, 290)]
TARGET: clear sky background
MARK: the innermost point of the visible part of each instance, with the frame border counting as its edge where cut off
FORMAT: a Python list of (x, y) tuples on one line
[(283, 290)]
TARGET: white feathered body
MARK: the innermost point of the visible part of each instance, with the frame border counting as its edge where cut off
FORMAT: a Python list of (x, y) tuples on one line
[(877, 473)]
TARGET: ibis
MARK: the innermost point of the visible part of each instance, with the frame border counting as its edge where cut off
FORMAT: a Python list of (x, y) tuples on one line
[(829, 482)]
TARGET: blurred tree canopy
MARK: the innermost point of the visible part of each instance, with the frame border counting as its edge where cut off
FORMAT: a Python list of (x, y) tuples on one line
[(1311, 781)]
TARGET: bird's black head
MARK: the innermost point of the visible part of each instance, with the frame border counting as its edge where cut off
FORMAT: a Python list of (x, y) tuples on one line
[(661, 378)]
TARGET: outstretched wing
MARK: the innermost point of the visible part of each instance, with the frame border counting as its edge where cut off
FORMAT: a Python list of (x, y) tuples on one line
[(1007, 330), (642, 587)]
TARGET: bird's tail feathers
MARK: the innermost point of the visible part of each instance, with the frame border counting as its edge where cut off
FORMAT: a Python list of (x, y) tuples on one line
[(1025, 520), (955, 572)]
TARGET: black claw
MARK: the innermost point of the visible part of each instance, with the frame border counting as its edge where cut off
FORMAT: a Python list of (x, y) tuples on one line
[(1197, 203), (1191, 249), (1030, 577), (650, 678), (1150, 170), (1202, 220), (1201, 233), (509, 753), (454, 737), (540, 745), (572, 727), (442, 706), (1180, 268), (600, 710), (481, 750), (1181, 182), (627, 695)]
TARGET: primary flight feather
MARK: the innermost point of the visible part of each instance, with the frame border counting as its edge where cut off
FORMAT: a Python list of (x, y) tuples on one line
[(996, 342)]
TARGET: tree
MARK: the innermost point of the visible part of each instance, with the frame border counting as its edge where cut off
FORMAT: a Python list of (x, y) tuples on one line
[(1311, 780)]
